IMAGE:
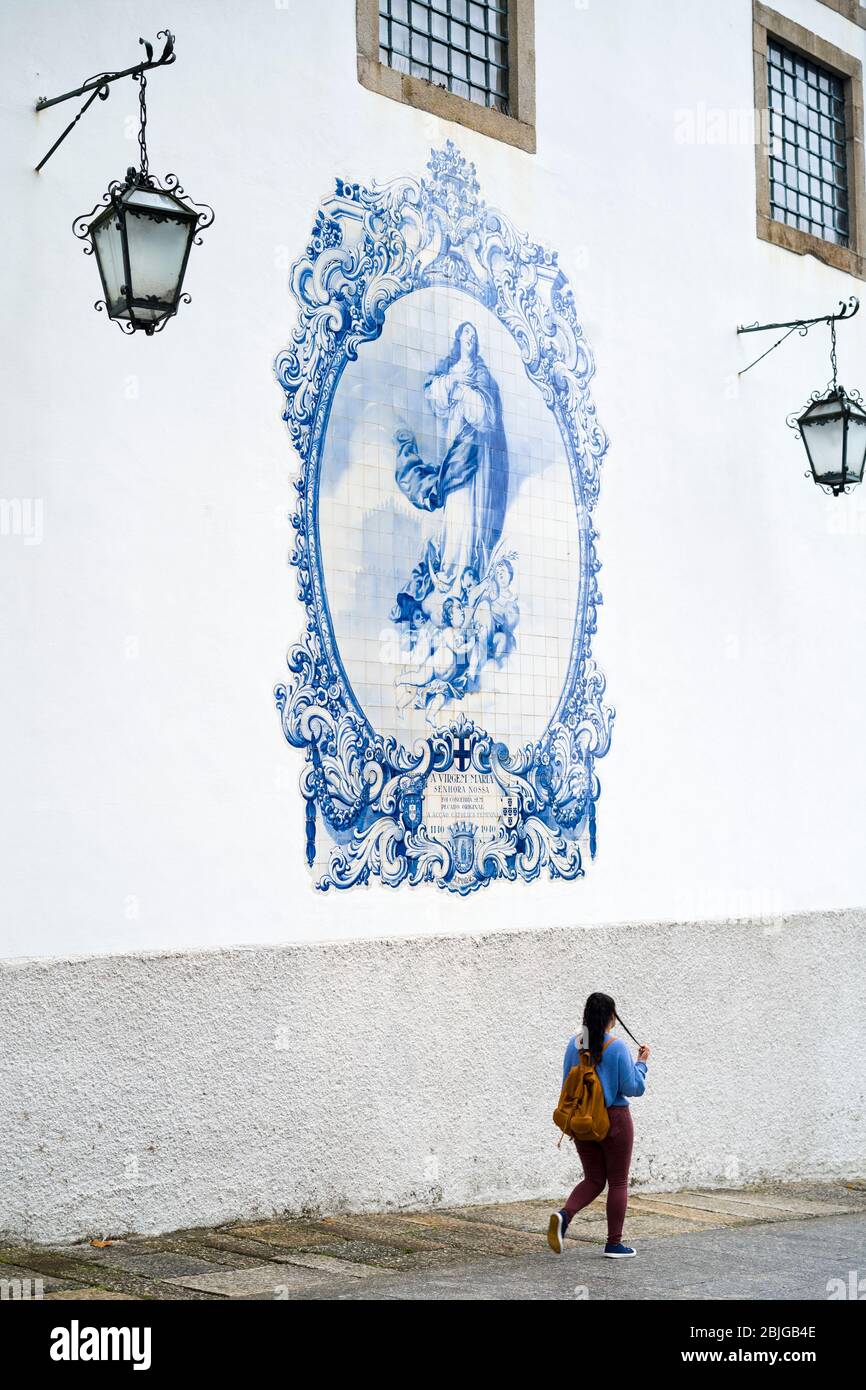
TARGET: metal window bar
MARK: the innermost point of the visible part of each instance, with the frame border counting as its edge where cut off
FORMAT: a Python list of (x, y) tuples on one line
[(461, 45), (808, 151)]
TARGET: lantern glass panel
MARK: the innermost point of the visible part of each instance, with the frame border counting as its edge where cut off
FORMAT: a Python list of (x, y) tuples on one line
[(154, 200), (856, 444), (823, 431), (157, 251), (108, 246)]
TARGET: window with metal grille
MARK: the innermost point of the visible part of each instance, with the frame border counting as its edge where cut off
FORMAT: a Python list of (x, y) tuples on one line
[(457, 44), (808, 154)]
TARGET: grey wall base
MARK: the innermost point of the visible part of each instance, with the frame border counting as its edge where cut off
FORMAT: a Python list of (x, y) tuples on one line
[(149, 1092)]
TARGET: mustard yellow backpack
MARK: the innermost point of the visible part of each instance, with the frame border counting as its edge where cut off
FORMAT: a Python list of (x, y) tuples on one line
[(582, 1112)]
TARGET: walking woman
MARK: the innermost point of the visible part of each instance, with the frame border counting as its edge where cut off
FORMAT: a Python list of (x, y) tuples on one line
[(608, 1160)]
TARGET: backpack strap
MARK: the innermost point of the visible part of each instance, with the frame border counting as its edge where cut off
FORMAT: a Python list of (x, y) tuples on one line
[(586, 1050)]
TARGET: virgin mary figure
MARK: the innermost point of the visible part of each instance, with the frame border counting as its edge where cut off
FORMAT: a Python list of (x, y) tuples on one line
[(469, 486)]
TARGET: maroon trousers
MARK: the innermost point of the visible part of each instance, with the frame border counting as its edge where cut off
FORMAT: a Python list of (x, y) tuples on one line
[(606, 1162)]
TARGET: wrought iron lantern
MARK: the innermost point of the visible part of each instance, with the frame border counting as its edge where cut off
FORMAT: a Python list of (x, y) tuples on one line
[(142, 241), (142, 231), (833, 431), (833, 425)]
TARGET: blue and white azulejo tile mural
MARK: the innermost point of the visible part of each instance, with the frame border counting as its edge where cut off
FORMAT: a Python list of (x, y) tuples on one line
[(437, 391)]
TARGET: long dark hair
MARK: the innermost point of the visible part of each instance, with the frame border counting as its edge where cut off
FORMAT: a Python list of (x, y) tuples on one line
[(597, 1013), (446, 363)]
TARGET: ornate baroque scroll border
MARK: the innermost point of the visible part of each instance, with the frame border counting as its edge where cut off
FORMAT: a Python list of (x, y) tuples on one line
[(368, 247)]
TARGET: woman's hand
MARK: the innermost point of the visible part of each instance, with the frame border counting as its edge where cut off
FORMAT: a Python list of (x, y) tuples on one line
[(643, 1053)]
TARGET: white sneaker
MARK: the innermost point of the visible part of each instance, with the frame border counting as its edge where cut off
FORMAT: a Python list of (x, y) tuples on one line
[(555, 1232)]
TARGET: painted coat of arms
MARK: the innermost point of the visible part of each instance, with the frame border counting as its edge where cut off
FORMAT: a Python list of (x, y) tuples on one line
[(437, 392)]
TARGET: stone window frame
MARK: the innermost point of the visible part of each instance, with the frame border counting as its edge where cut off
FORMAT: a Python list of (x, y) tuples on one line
[(851, 258), (851, 9), (517, 128)]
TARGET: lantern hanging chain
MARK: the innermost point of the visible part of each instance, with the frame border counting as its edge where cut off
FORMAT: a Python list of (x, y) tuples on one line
[(142, 130), (833, 363)]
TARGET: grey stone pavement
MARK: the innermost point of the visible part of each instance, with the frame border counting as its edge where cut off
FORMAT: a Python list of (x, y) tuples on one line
[(774, 1242), (793, 1262)]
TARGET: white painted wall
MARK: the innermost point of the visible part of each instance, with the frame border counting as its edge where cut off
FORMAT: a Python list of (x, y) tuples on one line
[(151, 802)]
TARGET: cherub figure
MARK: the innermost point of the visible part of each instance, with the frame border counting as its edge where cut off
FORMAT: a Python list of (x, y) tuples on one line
[(442, 676)]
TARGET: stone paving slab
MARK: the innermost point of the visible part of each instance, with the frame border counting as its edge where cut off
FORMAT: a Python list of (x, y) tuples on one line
[(641, 1224), (158, 1265), (213, 1247), (219, 1248), (464, 1232), (263, 1281), (590, 1223), (694, 1214), (9, 1271), (68, 1264), (289, 1232), (376, 1255), (408, 1231), (93, 1295), (350, 1239), (431, 1234), (327, 1264), (153, 1264), (756, 1208), (524, 1223)]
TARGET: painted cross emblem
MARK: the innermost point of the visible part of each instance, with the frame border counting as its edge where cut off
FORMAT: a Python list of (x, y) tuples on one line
[(463, 752)]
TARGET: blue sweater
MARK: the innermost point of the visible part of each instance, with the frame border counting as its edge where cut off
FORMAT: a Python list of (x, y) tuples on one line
[(619, 1075)]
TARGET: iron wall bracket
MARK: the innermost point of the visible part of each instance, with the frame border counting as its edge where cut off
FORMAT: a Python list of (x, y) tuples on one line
[(99, 84)]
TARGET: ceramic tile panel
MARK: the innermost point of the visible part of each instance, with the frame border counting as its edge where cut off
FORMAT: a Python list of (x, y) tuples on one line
[(437, 390)]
